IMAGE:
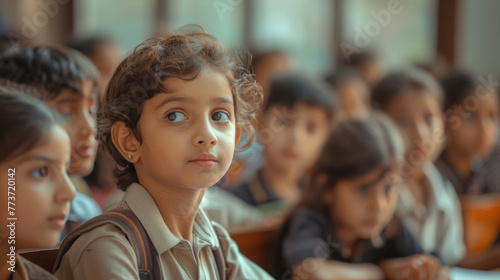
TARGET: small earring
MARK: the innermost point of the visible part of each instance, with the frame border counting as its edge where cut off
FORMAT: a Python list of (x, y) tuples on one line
[(129, 156)]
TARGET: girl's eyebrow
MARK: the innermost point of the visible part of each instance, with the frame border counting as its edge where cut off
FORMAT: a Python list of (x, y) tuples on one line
[(224, 100), (375, 181), (216, 100), (174, 99), (39, 158)]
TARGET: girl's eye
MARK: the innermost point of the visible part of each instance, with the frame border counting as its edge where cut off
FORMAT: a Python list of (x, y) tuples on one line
[(428, 119), (403, 123), (311, 127), (66, 113), (176, 117), (220, 116), (388, 189), (363, 190), (40, 172)]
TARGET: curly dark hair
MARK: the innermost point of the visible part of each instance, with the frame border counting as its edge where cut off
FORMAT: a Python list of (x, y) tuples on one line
[(182, 55)]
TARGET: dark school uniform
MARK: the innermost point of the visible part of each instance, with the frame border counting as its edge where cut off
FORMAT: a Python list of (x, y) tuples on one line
[(310, 234)]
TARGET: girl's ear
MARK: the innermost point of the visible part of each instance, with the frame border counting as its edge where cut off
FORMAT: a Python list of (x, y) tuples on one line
[(125, 141), (237, 135)]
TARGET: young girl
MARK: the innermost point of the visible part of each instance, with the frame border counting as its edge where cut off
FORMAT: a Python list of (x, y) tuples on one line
[(34, 158), (472, 114), (428, 204), (173, 113), (344, 226), (353, 92), (470, 161)]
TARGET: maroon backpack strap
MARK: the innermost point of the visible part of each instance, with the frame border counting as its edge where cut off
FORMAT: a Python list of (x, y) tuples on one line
[(147, 256)]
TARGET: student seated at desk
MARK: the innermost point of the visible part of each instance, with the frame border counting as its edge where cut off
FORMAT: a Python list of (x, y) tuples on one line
[(344, 227), (428, 204), (472, 113)]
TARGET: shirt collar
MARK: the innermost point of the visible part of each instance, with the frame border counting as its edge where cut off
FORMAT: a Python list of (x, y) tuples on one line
[(144, 207), (440, 187)]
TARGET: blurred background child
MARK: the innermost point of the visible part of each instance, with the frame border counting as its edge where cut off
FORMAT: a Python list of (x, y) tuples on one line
[(293, 128), (472, 113), (353, 92), (428, 204), (344, 226)]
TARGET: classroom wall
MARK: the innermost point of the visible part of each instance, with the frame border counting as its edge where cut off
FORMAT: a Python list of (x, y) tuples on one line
[(478, 40)]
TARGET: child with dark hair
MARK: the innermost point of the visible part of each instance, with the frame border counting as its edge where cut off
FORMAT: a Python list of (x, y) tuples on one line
[(367, 64), (67, 81), (343, 228), (172, 115), (428, 204), (266, 66), (293, 128), (471, 157), (269, 64), (106, 55), (353, 92), (472, 114), (36, 191)]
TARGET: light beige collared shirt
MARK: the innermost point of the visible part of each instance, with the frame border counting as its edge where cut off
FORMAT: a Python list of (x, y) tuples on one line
[(439, 229), (105, 253)]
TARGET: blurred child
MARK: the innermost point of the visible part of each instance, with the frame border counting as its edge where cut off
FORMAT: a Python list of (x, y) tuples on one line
[(173, 113), (367, 64), (353, 92), (68, 83), (34, 157), (104, 53), (428, 204), (293, 128), (266, 66), (344, 226), (471, 134), (269, 64), (469, 160)]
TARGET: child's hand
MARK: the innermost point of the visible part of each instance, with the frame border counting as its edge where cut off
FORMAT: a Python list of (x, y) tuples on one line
[(416, 267)]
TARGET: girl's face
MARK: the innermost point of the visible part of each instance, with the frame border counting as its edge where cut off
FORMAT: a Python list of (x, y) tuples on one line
[(472, 126), (293, 137), (189, 134), (80, 114), (362, 206), (355, 98), (420, 121), (42, 192)]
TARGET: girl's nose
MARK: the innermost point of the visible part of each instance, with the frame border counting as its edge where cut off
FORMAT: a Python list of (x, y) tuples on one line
[(65, 190), (205, 135)]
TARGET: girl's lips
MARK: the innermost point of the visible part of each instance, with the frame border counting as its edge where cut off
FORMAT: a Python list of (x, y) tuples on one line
[(205, 160), (204, 163), (85, 151), (58, 221)]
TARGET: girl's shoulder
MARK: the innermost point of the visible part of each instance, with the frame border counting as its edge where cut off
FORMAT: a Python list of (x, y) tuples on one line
[(310, 215), (307, 221)]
